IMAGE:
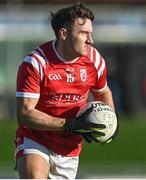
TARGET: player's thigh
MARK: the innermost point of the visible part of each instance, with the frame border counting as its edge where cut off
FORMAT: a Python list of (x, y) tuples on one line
[(32, 166)]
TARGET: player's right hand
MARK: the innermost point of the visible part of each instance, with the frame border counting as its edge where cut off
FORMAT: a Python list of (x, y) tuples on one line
[(89, 138), (84, 124), (92, 137)]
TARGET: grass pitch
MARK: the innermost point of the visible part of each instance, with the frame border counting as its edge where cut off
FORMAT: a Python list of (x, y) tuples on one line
[(126, 155)]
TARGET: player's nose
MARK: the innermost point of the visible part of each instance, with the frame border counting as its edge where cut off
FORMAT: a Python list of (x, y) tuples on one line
[(89, 39)]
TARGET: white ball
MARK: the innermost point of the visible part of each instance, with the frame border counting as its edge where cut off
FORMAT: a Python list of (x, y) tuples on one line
[(103, 114)]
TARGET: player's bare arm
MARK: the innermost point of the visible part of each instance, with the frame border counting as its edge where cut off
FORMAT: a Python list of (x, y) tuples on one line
[(29, 116), (105, 96)]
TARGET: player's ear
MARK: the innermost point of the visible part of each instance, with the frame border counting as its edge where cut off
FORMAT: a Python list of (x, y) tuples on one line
[(63, 33)]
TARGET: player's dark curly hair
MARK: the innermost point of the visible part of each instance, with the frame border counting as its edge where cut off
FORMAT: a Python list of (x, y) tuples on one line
[(66, 16)]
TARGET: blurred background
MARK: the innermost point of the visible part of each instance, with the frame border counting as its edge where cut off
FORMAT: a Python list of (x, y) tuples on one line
[(120, 36)]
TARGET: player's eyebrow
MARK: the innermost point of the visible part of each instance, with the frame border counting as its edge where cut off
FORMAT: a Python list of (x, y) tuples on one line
[(85, 32)]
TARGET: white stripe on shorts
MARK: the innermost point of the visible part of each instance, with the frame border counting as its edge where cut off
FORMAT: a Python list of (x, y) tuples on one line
[(63, 167)]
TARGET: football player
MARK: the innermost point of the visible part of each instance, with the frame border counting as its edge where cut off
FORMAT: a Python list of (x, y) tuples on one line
[(53, 84)]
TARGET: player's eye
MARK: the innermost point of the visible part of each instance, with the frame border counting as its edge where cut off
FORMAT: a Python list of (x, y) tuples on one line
[(84, 32)]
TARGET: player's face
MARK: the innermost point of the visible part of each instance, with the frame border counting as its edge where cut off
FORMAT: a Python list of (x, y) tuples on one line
[(80, 37)]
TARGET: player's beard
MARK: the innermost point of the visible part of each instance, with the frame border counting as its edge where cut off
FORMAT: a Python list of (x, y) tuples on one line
[(72, 52), (75, 48), (82, 50), (78, 49)]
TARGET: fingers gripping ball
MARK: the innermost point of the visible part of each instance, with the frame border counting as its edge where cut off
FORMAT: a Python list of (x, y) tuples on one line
[(103, 114)]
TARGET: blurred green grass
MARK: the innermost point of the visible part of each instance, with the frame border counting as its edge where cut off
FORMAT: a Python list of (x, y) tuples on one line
[(124, 156), (7, 135), (128, 145), (127, 153)]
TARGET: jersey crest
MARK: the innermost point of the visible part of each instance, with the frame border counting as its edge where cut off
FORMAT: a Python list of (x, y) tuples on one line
[(83, 74)]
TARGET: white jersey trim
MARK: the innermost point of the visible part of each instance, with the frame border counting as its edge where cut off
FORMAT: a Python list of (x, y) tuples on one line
[(100, 90), (97, 57), (97, 61), (100, 72), (39, 57), (42, 53), (35, 64), (28, 95), (91, 54)]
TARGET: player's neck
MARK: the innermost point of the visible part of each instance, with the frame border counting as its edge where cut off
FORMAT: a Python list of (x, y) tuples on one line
[(64, 53)]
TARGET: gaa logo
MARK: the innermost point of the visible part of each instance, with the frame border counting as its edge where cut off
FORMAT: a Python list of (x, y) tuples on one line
[(55, 77)]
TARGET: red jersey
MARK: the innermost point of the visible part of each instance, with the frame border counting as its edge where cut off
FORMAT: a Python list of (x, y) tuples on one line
[(62, 90)]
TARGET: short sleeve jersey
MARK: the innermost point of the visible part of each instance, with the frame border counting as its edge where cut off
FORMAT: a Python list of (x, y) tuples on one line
[(62, 90)]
